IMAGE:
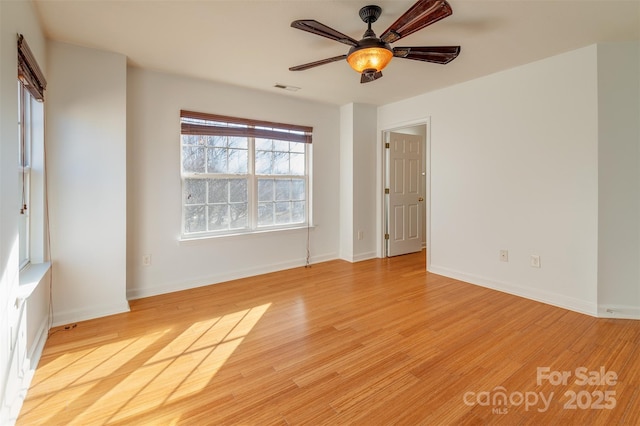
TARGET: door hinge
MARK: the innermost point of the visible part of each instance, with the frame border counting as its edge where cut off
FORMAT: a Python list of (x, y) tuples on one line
[(387, 145), (386, 236), (386, 190)]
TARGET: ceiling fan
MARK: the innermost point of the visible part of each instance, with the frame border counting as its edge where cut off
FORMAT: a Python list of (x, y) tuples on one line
[(371, 54)]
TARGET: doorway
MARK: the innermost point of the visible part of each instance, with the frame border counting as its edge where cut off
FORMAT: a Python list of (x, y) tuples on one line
[(405, 199)]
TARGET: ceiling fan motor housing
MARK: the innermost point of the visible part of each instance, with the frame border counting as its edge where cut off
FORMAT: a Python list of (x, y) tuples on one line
[(370, 14)]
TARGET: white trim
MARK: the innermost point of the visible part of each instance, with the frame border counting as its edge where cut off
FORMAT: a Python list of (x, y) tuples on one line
[(76, 315), (619, 311), (427, 189), (360, 257), (208, 237), (224, 277), (252, 191), (28, 370), (35, 351), (554, 299), (425, 121), (31, 277)]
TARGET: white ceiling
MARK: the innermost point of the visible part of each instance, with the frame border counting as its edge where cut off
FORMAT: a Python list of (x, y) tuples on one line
[(251, 43)]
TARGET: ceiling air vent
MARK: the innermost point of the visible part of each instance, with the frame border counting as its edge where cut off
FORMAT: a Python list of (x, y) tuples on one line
[(285, 87)]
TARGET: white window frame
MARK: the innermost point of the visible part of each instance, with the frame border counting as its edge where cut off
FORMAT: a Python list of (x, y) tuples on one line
[(252, 194), (25, 102), (30, 166)]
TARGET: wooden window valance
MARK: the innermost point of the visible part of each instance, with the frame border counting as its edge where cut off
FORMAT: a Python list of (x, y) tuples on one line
[(29, 73), (198, 123)]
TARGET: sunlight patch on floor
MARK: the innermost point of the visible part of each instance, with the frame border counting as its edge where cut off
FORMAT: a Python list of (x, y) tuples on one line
[(136, 376), (80, 371)]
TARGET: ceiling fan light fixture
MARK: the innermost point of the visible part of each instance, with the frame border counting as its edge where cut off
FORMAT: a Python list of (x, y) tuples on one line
[(370, 55), (369, 58)]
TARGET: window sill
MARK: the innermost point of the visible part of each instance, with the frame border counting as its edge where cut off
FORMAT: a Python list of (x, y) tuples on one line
[(187, 240), (31, 277)]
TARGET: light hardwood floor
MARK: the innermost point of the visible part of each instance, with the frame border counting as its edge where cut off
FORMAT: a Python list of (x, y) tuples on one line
[(373, 343)]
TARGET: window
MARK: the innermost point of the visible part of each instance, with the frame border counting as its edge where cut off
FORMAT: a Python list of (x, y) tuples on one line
[(31, 86), (242, 175), (24, 171)]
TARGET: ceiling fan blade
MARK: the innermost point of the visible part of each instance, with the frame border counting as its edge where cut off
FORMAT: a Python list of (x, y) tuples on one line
[(317, 63), (435, 54), (315, 27), (368, 77), (421, 14)]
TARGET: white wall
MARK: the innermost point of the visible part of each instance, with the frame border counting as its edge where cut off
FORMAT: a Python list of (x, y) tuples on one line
[(514, 165), (346, 181), (358, 206), (618, 180), (86, 133), (364, 181), (22, 324), (154, 101)]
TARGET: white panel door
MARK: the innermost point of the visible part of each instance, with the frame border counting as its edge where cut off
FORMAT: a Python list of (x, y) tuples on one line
[(404, 210)]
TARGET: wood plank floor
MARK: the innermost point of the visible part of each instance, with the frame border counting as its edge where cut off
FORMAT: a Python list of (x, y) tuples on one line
[(373, 343)]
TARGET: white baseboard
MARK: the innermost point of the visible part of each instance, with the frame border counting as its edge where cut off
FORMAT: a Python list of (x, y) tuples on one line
[(619, 311), (554, 299), (76, 315), (360, 257), (35, 351), (139, 293)]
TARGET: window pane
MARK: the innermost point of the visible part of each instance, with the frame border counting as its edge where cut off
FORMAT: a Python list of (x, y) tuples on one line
[(283, 212), (218, 191), (238, 161), (217, 160), (283, 190), (195, 191), (236, 142), (238, 215), (264, 162), (264, 144), (281, 163), (297, 189), (281, 146), (218, 217), (28, 125), (190, 139), (297, 147), (238, 190), (265, 189), (193, 159), (23, 232), (265, 214), (194, 219), (297, 164), (297, 213), (219, 141)]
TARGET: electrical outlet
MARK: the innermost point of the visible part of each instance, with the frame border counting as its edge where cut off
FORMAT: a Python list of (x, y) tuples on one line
[(535, 261), (504, 255), (360, 235), (146, 260)]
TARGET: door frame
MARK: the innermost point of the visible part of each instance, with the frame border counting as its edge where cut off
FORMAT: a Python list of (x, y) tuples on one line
[(427, 188)]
